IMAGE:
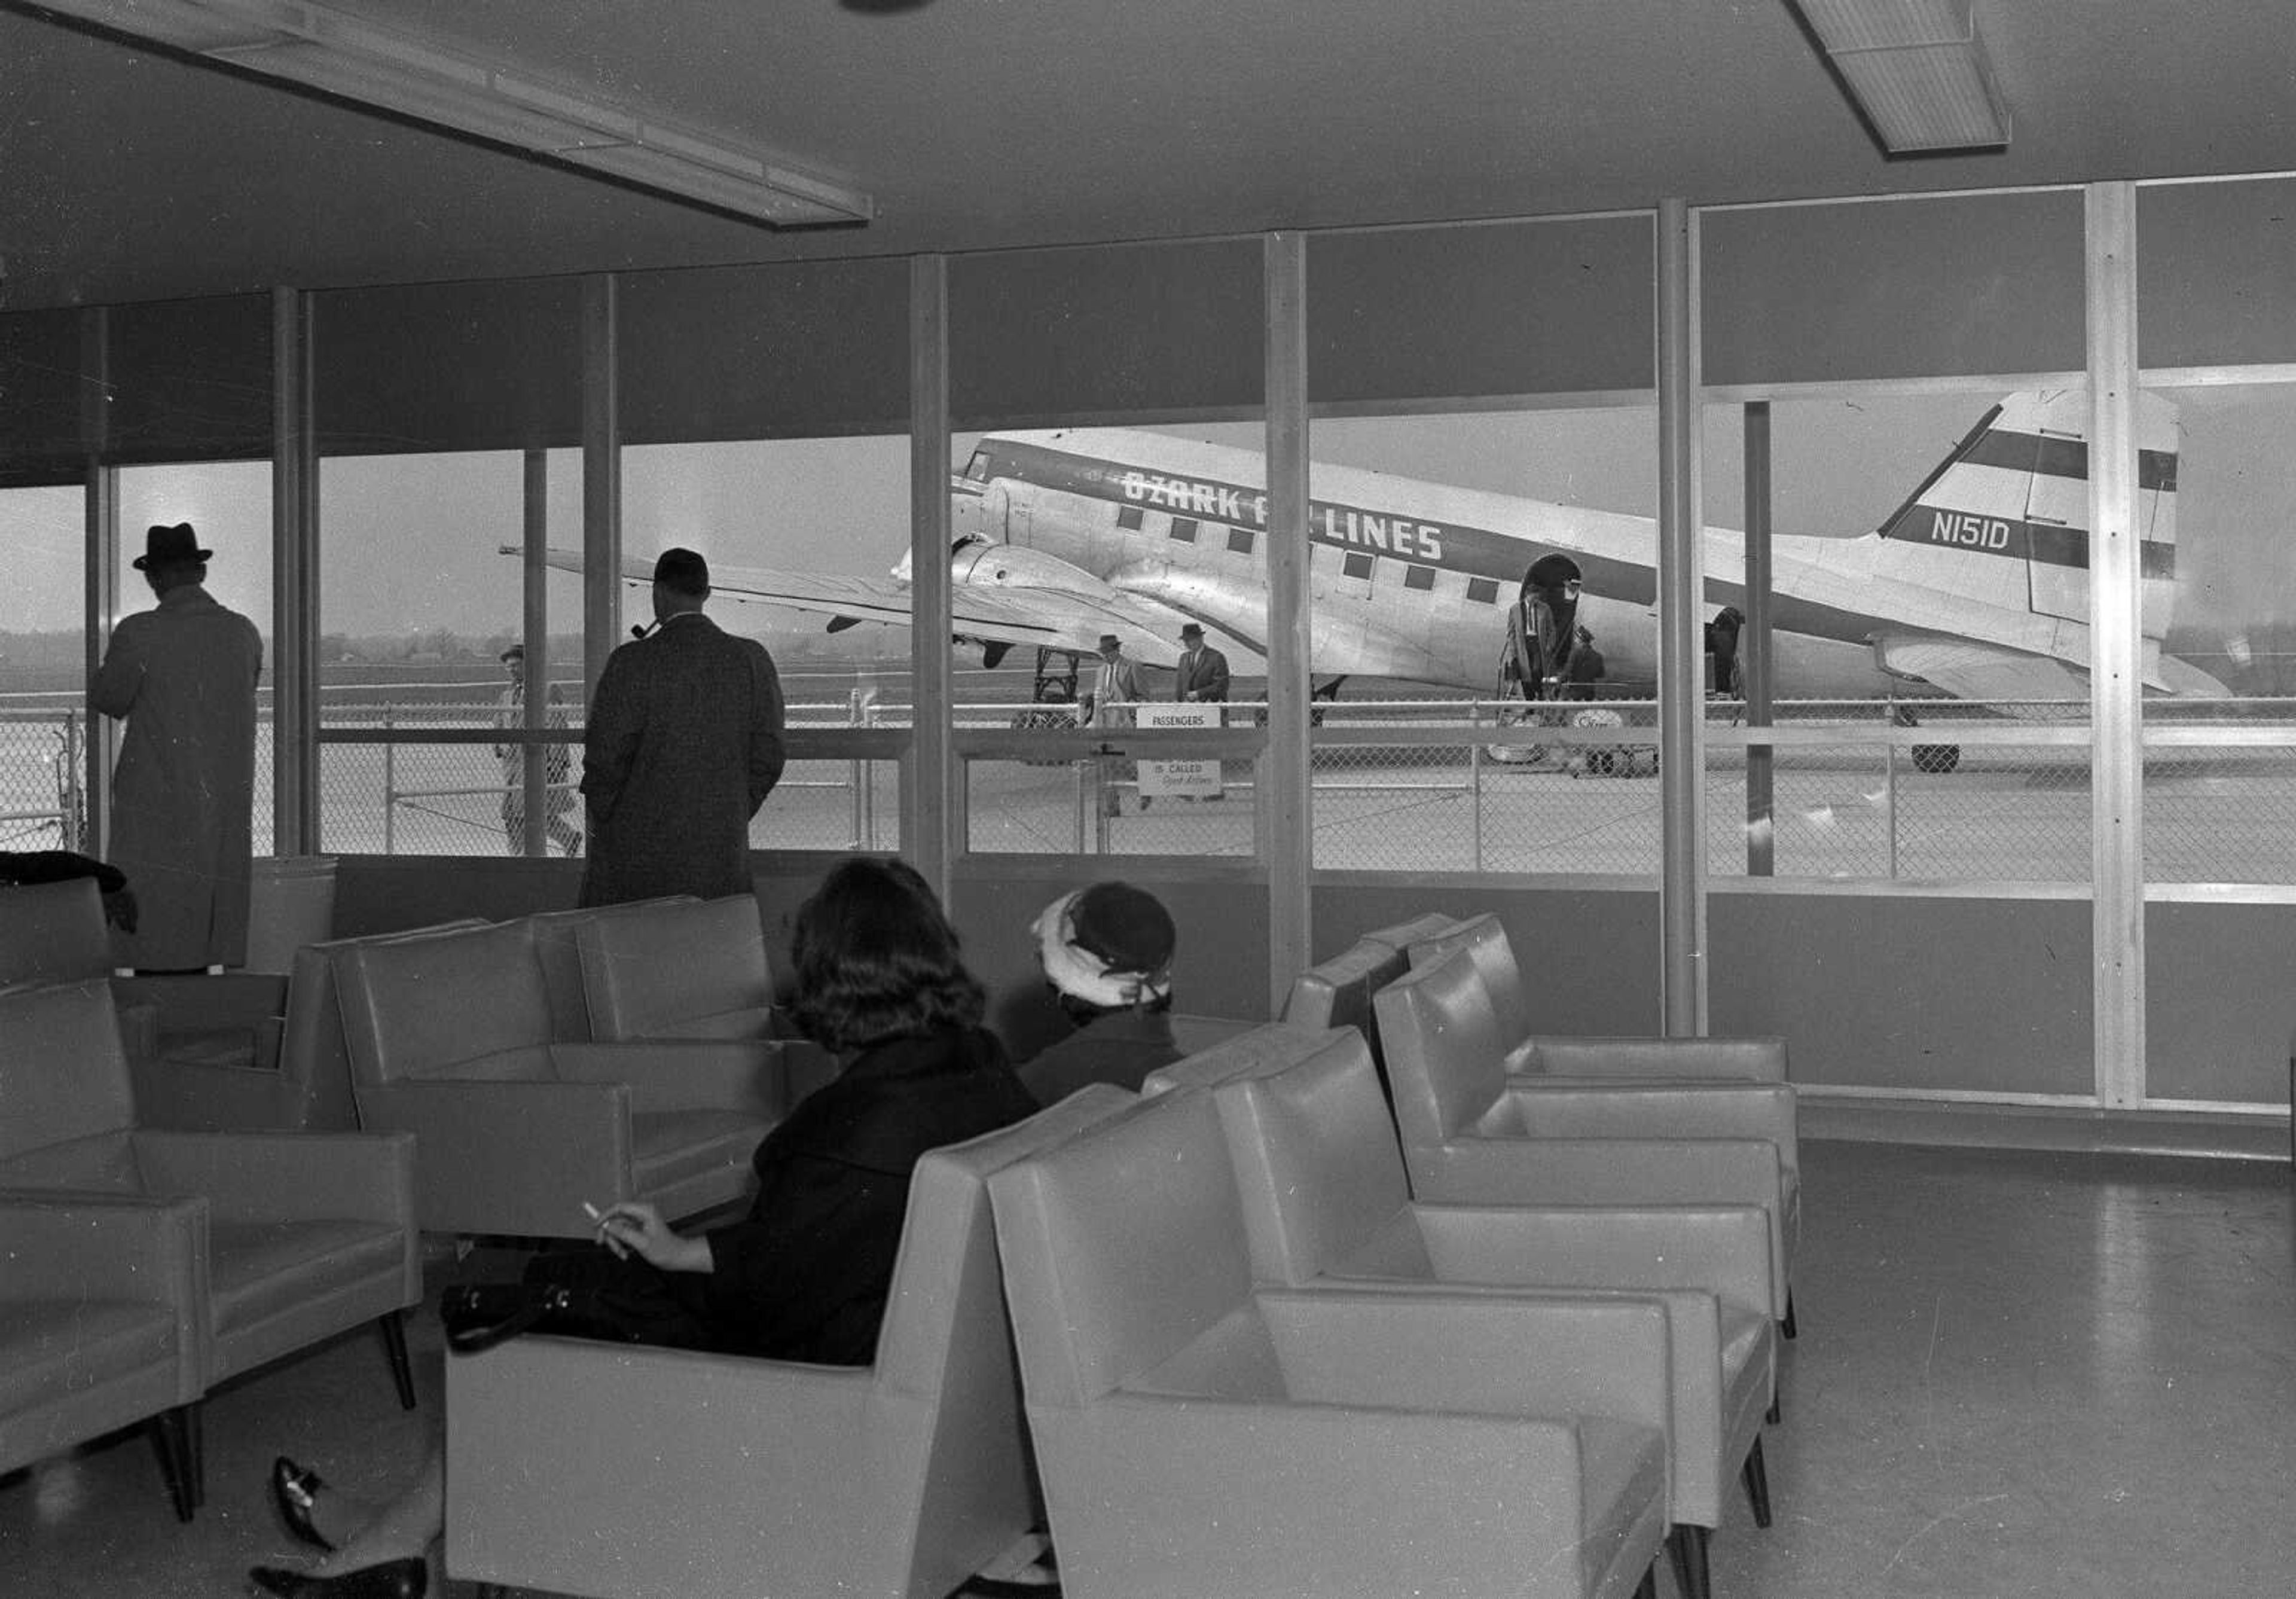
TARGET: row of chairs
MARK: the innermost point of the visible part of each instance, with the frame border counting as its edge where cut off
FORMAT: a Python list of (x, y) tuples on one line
[(145, 1266), (1252, 1360), (170, 1223)]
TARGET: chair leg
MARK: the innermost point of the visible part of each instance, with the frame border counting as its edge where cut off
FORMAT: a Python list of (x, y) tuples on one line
[(195, 1436), (1757, 1479), (394, 1343), (171, 1437), (1687, 1544), (1787, 1325)]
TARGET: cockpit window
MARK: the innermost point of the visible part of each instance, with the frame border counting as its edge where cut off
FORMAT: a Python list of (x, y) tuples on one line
[(977, 469)]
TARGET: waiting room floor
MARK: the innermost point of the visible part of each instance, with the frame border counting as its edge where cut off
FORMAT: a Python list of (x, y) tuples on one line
[(2018, 1373)]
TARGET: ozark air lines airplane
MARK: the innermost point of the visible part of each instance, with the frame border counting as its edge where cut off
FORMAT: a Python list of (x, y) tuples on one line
[(1977, 586)]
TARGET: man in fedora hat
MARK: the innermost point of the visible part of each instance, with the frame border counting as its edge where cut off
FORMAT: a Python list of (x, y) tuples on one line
[(1203, 669), (1114, 684), (683, 744), (183, 678)]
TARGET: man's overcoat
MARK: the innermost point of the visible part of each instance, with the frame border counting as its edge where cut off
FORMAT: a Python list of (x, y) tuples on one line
[(183, 675), (683, 744)]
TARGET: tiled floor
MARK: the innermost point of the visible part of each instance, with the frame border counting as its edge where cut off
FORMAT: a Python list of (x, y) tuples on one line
[(2018, 1375)]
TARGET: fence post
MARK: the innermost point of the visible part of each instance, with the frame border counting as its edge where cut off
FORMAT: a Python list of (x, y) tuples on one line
[(1889, 779), (853, 774), (72, 814), (1475, 786), (389, 788)]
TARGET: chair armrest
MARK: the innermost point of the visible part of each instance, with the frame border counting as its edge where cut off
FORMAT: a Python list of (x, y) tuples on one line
[(1585, 1108), (1719, 1249), (684, 1074), (1612, 1171), (211, 1003), (1365, 1499), (1438, 1350), (114, 1246), (1751, 1059), (284, 1176), (110, 1246), (517, 1157)]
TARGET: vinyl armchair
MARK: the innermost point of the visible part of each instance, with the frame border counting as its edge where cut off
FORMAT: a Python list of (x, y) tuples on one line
[(1529, 1054), (1470, 1135), (306, 1235), (1197, 1435), (450, 1039), (1325, 1200), (897, 1481), (56, 933)]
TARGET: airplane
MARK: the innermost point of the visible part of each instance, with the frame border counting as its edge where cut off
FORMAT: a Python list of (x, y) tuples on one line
[(1976, 587)]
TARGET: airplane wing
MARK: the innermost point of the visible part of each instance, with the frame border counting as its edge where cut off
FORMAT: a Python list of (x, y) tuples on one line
[(989, 603)]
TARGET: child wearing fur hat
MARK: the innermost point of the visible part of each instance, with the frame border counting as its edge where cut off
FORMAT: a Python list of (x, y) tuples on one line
[(1107, 953)]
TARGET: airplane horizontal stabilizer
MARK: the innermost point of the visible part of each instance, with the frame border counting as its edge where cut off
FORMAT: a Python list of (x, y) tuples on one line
[(1969, 669)]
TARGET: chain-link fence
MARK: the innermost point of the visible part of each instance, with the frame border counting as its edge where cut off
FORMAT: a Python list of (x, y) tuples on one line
[(42, 769), (1928, 790)]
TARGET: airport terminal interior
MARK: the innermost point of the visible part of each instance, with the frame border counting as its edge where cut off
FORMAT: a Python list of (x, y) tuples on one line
[(1904, 388)]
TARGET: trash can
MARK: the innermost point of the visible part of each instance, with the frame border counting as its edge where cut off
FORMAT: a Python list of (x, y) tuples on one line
[(291, 902)]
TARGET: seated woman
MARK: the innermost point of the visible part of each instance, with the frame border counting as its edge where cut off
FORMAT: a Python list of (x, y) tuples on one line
[(1107, 953), (804, 1274)]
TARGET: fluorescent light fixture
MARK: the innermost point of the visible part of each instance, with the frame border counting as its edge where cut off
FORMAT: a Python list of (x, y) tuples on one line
[(1916, 69), (434, 80)]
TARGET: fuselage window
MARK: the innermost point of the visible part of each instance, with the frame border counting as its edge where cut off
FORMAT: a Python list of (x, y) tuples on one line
[(1419, 577), (1239, 541), (1355, 566), (977, 469), (1184, 528), (1483, 591), (1128, 517)]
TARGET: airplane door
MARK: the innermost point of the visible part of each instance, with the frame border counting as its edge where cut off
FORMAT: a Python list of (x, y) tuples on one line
[(2056, 513), (983, 513)]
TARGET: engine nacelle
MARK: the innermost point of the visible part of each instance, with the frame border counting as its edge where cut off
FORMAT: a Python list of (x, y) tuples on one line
[(1016, 566)]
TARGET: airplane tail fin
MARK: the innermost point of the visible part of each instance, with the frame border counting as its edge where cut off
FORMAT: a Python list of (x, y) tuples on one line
[(2003, 520)]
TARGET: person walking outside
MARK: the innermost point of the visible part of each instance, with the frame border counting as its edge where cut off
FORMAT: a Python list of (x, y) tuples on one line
[(558, 802)]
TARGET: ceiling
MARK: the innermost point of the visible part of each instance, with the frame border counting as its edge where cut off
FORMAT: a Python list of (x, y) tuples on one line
[(127, 174)]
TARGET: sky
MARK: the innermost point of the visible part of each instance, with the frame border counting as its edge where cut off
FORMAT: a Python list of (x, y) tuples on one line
[(410, 543)]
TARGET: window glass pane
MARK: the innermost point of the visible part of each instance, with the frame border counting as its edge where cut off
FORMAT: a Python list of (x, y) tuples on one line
[(43, 671), (1426, 528), (421, 590), (1929, 669), (2220, 773), (1123, 479), (782, 515)]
